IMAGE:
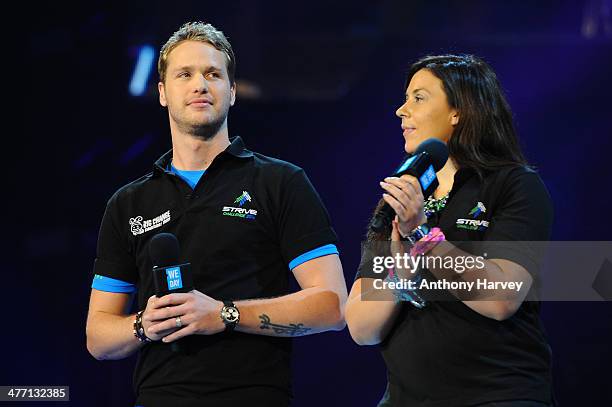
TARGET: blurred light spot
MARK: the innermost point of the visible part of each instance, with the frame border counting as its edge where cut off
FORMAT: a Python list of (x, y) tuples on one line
[(138, 85), (136, 149), (88, 157)]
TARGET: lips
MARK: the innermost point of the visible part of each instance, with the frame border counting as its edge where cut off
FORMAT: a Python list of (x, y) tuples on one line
[(408, 130), (200, 102)]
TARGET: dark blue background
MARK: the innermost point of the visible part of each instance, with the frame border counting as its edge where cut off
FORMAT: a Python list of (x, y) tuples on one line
[(330, 77)]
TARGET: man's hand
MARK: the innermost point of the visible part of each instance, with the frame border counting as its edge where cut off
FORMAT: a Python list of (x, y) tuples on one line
[(199, 314), (150, 319)]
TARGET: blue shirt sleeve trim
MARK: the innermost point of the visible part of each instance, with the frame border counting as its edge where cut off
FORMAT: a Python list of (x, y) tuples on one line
[(313, 254), (111, 285)]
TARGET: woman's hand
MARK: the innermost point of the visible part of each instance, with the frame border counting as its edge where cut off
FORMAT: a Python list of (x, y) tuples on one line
[(395, 234), (405, 197)]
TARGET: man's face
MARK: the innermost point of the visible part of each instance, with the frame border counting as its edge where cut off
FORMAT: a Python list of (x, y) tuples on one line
[(197, 89)]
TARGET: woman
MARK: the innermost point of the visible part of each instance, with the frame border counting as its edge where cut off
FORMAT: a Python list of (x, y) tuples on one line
[(469, 351)]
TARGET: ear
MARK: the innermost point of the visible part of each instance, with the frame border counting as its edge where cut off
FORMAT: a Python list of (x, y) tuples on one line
[(454, 118), (162, 94), (233, 94)]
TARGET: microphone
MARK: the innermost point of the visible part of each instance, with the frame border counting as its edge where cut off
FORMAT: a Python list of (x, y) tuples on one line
[(429, 158), (168, 275)]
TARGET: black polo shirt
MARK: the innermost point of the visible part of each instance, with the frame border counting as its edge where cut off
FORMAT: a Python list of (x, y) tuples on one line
[(447, 354), (239, 227)]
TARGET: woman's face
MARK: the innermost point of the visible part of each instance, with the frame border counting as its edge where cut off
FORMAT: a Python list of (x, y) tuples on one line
[(426, 112)]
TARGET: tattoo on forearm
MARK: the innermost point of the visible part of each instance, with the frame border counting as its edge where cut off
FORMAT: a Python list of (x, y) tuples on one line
[(291, 329)]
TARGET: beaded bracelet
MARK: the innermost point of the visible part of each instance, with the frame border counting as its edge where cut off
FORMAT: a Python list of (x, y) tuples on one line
[(428, 242), (139, 331), (407, 294)]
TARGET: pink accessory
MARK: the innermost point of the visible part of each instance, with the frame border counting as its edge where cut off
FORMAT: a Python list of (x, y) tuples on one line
[(428, 242)]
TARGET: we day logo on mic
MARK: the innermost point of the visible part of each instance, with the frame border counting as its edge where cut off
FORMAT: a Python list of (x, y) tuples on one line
[(173, 277), (428, 177)]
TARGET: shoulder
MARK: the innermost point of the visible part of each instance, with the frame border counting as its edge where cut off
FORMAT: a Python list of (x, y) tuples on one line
[(520, 188), (520, 206), (131, 190), (516, 180), (276, 168)]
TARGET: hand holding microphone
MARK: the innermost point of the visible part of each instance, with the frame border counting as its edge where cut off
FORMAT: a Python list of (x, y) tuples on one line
[(169, 277), (404, 196), (150, 321), (413, 181), (177, 309), (199, 315)]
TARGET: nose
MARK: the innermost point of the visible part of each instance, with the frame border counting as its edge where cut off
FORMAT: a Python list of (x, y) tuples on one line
[(201, 84), (403, 111)]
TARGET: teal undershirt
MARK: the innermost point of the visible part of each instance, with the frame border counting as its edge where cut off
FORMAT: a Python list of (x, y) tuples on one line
[(190, 177)]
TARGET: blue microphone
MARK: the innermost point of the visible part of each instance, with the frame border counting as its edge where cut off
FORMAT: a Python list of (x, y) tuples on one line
[(429, 158)]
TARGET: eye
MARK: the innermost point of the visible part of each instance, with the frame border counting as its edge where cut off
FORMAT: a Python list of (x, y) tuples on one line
[(213, 75), (183, 75), (418, 98)]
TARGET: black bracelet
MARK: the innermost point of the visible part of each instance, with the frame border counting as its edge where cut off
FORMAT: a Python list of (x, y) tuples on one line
[(417, 233), (139, 331)]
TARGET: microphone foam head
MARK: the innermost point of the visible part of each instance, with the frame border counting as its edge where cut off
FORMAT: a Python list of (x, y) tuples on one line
[(437, 150), (164, 250)]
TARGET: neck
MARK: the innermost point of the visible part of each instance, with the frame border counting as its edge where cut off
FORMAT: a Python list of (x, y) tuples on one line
[(191, 153), (446, 176)]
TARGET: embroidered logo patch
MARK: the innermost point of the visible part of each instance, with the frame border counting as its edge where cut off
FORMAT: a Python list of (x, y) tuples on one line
[(239, 211), (243, 198), (473, 224), (477, 210), (138, 226)]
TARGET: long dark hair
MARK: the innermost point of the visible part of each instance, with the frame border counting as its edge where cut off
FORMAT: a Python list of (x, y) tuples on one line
[(485, 138)]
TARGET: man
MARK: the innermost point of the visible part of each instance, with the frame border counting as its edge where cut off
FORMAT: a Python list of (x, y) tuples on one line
[(242, 219)]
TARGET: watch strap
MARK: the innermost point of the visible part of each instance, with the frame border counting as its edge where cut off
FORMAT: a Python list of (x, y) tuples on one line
[(417, 233)]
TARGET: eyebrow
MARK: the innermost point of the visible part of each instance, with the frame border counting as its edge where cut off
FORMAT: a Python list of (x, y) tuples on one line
[(419, 90), (191, 67)]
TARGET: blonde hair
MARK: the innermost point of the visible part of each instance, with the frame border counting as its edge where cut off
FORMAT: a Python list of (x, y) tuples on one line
[(197, 31)]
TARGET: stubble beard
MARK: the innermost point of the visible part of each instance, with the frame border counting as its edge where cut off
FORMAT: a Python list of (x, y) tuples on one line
[(203, 131)]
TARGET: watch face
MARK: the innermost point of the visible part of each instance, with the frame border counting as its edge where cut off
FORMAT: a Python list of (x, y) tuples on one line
[(230, 314)]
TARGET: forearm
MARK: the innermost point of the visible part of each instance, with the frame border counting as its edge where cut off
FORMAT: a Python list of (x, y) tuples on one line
[(478, 270), (111, 336), (494, 303), (305, 312), (370, 313)]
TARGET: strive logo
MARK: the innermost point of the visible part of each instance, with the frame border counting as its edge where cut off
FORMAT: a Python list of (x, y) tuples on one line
[(477, 210), (472, 224), (239, 211), (243, 198)]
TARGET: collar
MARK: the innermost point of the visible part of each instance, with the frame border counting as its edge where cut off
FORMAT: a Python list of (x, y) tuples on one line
[(461, 177), (463, 174), (236, 149)]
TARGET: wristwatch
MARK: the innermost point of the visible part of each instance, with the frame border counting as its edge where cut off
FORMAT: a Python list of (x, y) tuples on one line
[(230, 315), (417, 233)]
